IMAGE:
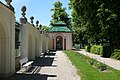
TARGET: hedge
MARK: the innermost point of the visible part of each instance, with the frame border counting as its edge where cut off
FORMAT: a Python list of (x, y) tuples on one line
[(104, 51), (97, 49), (116, 54)]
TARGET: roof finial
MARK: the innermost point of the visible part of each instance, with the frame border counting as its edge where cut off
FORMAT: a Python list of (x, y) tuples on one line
[(23, 19), (32, 18), (37, 22), (40, 27), (23, 9), (9, 4)]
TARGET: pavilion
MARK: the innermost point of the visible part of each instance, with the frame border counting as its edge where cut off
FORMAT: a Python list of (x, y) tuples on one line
[(60, 36)]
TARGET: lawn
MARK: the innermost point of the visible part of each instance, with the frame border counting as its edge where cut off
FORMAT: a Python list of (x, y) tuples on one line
[(88, 72)]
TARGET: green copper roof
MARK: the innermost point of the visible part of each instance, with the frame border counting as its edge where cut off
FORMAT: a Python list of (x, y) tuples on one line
[(60, 29), (59, 26), (59, 23)]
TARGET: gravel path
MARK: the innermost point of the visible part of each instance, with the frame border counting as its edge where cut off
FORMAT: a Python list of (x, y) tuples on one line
[(111, 62), (53, 66), (64, 70)]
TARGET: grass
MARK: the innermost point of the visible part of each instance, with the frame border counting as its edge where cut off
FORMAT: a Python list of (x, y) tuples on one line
[(88, 72)]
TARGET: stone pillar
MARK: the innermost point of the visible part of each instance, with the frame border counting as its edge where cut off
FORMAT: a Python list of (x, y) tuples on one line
[(47, 39), (37, 42), (41, 38), (53, 44), (24, 45)]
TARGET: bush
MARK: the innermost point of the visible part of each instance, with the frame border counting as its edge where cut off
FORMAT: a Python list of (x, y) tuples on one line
[(87, 48), (116, 54), (93, 49), (97, 49), (100, 49)]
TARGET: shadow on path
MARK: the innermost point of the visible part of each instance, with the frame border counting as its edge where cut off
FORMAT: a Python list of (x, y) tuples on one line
[(47, 60), (29, 77)]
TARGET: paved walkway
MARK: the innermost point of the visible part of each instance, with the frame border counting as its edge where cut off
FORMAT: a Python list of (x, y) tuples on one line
[(64, 70), (111, 62), (54, 66)]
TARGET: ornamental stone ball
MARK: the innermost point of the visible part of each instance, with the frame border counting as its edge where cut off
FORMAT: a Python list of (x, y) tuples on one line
[(40, 27), (31, 18), (37, 22), (23, 9), (23, 19)]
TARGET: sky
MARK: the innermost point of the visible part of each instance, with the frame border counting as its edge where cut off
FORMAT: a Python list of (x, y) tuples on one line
[(40, 9)]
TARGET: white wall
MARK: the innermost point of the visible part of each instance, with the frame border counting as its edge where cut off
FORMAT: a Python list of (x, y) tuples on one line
[(29, 41), (7, 41)]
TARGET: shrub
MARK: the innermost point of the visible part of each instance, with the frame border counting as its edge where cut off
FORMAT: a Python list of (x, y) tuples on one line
[(104, 51), (100, 49), (116, 54), (87, 48), (93, 49), (97, 49)]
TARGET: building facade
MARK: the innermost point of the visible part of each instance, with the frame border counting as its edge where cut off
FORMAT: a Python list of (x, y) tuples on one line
[(60, 37), (19, 40), (7, 40)]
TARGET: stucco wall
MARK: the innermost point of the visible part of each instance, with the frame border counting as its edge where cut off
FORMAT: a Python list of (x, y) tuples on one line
[(44, 42), (29, 41), (7, 41)]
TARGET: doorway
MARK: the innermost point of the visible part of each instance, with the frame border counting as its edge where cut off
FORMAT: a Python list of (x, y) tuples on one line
[(59, 43)]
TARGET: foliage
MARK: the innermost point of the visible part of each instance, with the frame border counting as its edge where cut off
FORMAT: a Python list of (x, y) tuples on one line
[(59, 14), (97, 49), (46, 27), (116, 54), (88, 72), (97, 20), (97, 64), (106, 51), (87, 48)]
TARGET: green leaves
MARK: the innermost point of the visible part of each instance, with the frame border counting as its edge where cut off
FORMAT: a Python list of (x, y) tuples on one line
[(97, 19), (59, 13)]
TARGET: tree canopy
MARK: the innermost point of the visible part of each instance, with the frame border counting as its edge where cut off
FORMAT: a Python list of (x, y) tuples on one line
[(59, 14), (97, 20)]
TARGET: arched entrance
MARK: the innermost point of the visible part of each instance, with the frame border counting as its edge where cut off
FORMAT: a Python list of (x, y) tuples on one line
[(59, 43), (3, 53)]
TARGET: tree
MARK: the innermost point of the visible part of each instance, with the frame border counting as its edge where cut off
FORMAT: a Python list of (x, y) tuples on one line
[(46, 27), (109, 19), (98, 20), (83, 17), (59, 14)]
